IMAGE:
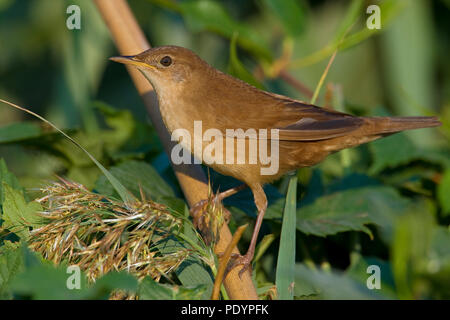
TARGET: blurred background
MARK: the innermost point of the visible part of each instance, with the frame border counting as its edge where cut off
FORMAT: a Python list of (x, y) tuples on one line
[(283, 46)]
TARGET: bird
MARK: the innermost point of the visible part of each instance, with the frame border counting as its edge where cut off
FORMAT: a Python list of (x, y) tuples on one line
[(298, 134)]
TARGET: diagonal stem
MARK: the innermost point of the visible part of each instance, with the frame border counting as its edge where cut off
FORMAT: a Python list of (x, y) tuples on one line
[(224, 261), (130, 39)]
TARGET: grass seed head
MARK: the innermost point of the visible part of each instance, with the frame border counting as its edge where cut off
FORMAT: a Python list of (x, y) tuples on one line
[(100, 234)]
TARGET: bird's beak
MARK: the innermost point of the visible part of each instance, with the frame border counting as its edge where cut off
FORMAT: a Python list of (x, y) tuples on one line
[(131, 60)]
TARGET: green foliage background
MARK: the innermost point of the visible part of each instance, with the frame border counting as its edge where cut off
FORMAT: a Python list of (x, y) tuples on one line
[(384, 204)]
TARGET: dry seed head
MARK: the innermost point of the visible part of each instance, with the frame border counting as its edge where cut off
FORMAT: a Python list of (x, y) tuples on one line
[(100, 234)]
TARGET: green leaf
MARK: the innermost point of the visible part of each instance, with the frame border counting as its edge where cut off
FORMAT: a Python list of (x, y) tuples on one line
[(237, 69), (92, 143), (444, 192), (19, 131), (358, 271), (110, 282), (46, 282), (334, 285), (391, 151), (192, 272), (18, 215), (286, 254), (87, 176), (9, 178), (121, 121), (151, 290), (290, 13), (351, 210), (128, 137), (207, 15), (11, 263), (43, 280), (135, 175)]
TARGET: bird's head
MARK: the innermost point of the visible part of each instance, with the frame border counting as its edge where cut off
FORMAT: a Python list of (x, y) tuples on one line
[(165, 66)]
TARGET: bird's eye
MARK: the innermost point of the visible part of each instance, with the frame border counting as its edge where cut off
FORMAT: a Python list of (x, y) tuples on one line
[(166, 61)]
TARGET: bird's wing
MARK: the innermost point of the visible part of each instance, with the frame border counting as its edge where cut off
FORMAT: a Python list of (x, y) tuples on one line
[(299, 121), (312, 130)]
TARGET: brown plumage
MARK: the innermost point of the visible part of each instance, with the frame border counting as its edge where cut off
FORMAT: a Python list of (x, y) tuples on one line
[(189, 90)]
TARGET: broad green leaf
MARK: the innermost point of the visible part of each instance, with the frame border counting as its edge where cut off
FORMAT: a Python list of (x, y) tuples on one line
[(9, 178), (135, 175), (18, 215), (110, 282), (359, 271), (151, 290), (92, 143), (207, 15), (192, 272), (121, 121), (19, 131), (334, 285), (237, 69), (11, 263), (286, 254), (392, 151), (444, 192), (44, 281), (129, 136), (87, 176), (290, 13), (31, 276), (351, 181), (351, 210), (47, 282)]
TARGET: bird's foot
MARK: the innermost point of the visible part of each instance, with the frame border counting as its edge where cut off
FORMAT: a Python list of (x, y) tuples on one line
[(239, 260)]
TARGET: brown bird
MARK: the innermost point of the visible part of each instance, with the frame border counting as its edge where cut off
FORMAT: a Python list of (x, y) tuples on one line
[(190, 90)]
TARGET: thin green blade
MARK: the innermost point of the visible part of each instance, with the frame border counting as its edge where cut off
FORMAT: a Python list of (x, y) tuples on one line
[(286, 256)]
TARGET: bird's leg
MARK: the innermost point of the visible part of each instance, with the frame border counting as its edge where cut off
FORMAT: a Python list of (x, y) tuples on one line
[(231, 191), (261, 205)]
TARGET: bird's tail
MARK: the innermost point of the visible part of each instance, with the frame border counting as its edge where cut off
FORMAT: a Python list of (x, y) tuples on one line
[(387, 125)]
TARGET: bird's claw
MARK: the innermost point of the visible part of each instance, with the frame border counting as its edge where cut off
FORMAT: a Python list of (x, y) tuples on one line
[(236, 260)]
